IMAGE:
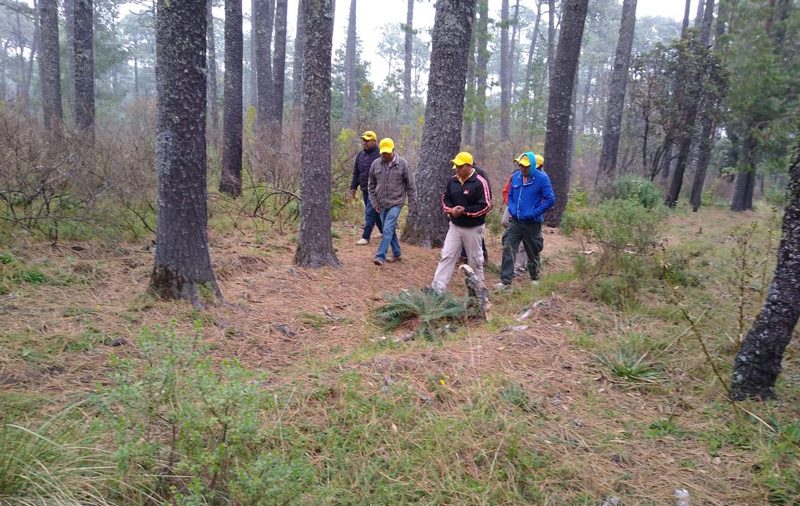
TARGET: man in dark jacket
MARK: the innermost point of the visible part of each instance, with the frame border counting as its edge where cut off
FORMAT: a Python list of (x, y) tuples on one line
[(361, 167), (530, 195), (391, 180), (466, 200)]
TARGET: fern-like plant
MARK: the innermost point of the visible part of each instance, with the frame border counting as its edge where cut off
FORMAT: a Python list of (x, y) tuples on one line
[(429, 307)]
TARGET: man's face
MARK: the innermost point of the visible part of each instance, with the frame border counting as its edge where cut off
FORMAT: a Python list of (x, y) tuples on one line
[(369, 144), (525, 170), (387, 157), (463, 171)]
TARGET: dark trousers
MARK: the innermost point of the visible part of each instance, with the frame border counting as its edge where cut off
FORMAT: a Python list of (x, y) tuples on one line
[(371, 217), (530, 235)]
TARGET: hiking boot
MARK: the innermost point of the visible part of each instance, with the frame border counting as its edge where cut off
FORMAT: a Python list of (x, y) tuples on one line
[(392, 260), (362, 242), (502, 286), (378, 261)]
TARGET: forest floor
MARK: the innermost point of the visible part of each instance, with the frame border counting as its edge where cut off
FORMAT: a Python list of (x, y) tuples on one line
[(541, 413)]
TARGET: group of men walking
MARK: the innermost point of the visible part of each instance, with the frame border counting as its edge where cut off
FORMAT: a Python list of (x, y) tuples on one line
[(386, 182)]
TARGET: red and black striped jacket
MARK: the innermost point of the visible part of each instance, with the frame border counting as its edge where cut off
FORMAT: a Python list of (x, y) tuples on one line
[(474, 195)]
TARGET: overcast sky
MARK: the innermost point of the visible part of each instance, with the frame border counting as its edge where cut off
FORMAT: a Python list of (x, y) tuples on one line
[(372, 15)]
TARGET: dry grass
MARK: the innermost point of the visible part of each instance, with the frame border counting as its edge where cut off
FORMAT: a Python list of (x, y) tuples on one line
[(595, 430)]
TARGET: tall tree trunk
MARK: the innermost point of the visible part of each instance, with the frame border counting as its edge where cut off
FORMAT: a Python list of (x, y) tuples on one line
[(689, 95), (505, 86), (279, 73), (706, 130), (213, 93), (556, 151), (481, 76), (182, 266), (470, 98), (698, 19), (587, 92), (135, 77), (551, 40), (49, 65), (746, 177), (350, 70), (758, 362), (616, 97), (297, 63), (315, 244), (512, 53), (441, 137), (686, 14), (3, 89), (408, 51), (529, 66), (231, 178), (69, 37), (84, 68), (253, 95), (263, 33)]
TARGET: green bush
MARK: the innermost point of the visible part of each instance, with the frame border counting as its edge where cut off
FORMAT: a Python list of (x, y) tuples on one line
[(182, 425), (619, 239), (776, 197), (636, 189)]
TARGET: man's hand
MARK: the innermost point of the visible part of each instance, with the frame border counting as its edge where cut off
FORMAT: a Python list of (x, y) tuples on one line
[(352, 194), (457, 211)]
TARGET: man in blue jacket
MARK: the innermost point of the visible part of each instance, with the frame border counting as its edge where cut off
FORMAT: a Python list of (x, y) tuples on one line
[(360, 178), (530, 195)]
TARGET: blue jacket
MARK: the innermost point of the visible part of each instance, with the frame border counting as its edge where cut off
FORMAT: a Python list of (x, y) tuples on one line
[(527, 202)]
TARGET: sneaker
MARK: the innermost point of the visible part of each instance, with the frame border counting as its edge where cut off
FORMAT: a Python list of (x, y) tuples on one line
[(392, 260), (378, 261), (362, 241), (535, 282), (502, 286)]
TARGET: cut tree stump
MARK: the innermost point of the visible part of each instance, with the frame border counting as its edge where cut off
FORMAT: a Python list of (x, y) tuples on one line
[(478, 303)]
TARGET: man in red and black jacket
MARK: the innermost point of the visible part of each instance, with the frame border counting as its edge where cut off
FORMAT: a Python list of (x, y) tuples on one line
[(466, 200)]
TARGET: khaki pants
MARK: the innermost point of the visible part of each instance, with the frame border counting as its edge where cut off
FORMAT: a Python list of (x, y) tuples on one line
[(471, 239)]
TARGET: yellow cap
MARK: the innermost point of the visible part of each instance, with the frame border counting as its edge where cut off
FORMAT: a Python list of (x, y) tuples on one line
[(523, 160), (539, 160), (369, 135), (386, 145), (462, 158)]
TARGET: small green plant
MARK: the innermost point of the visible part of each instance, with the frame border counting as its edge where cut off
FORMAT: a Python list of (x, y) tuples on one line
[(664, 427), (630, 365), (430, 308)]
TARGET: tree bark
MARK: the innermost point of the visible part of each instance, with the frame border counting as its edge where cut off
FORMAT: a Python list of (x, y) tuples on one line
[(408, 50), (529, 66), (505, 86), (616, 96), (512, 53), (758, 363), (481, 76), (279, 74), (231, 178), (746, 177), (182, 267), (441, 137), (315, 244), (706, 134), (213, 93), (263, 34), (84, 68), (49, 66), (350, 70), (686, 14), (551, 40), (556, 151), (470, 97), (69, 37), (297, 64), (253, 95)]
